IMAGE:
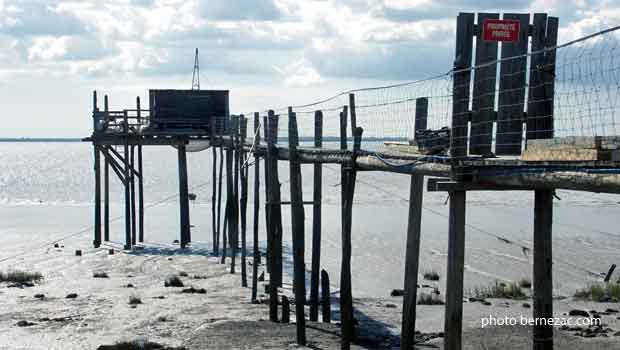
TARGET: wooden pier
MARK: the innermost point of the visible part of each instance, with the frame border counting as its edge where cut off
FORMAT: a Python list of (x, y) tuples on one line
[(467, 167)]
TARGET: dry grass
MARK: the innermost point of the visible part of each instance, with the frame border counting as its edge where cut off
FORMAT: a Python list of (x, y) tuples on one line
[(134, 300), (500, 291), (525, 283), (600, 292), (20, 276)]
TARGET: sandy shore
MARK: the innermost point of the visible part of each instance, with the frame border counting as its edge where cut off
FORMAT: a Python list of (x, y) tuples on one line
[(223, 318)]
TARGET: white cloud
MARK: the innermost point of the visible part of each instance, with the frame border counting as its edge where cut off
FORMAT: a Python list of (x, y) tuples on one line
[(48, 48)]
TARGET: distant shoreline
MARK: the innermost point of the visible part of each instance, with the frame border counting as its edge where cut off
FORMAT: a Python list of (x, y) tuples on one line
[(40, 139)]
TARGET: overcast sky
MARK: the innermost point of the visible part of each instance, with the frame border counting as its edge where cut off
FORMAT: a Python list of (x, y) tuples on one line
[(269, 53)]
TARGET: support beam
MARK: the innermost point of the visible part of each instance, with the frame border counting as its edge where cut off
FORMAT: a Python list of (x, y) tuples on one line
[(183, 197), (326, 306), (126, 176), (233, 222), (243, 200), (106, 197), (213, 127), (220, 233), (543, 268), (256, 251), (97, 158), (273, 197), (140, 181), (412, 255), (297, 227), (106, 184), (132, 182), (456, 259), (407, 338), (316, 221)]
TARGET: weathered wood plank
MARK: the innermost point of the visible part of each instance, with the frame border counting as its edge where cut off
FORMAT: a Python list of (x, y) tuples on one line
[(462, 79), (537, 99), (512, 88), (483, 99)]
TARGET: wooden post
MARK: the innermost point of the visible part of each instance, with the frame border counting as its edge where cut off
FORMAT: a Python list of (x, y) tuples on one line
[(326, 307), (456, 259), (286, 310), (126, 174), (97, 169), (213, 127), (140, 181), (348, 189), (269, 234), (256, 251), (243, 201), (543, 281), (220, 233), (106, 184), (316, 221), (132, 182), (183, 196), (412, 255), (273, 190), (234, 238), (97, 156), (462, 79), (230, 192), (610, 272), (297, 225)]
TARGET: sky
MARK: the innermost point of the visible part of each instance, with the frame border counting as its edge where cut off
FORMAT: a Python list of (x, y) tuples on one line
[(268, 53)]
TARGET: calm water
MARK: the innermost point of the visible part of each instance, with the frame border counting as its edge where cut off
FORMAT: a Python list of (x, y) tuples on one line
[(46, 192)]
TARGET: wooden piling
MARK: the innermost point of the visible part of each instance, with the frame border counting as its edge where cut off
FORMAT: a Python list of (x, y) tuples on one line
[(97, 167), (106, 184), (220, 233), (213, 127), (126, 175), (412, 255), (543, 271), (132, 183), (230, 193), (286, 309), (326, 307), (256, 251), (233, 223), (297, 225), (275, 215), (316, 220), (97, 170), (243, 200), (183, 196), (456, 259), (140, 181), (348, 189), (273, 189), (269, 232)]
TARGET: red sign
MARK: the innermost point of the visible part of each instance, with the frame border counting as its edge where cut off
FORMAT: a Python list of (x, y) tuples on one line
[(501, 30)]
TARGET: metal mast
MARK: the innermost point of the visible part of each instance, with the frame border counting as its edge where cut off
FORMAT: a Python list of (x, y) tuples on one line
[(196, 74)]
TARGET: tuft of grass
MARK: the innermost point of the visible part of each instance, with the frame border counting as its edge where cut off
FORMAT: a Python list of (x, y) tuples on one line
[(173, 281), (100, 275), (500, 291), (429, 299), (525, 283), (20, 276), (600, 292), (134, 300), (138, 345), (431, 276), (183, 274)]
